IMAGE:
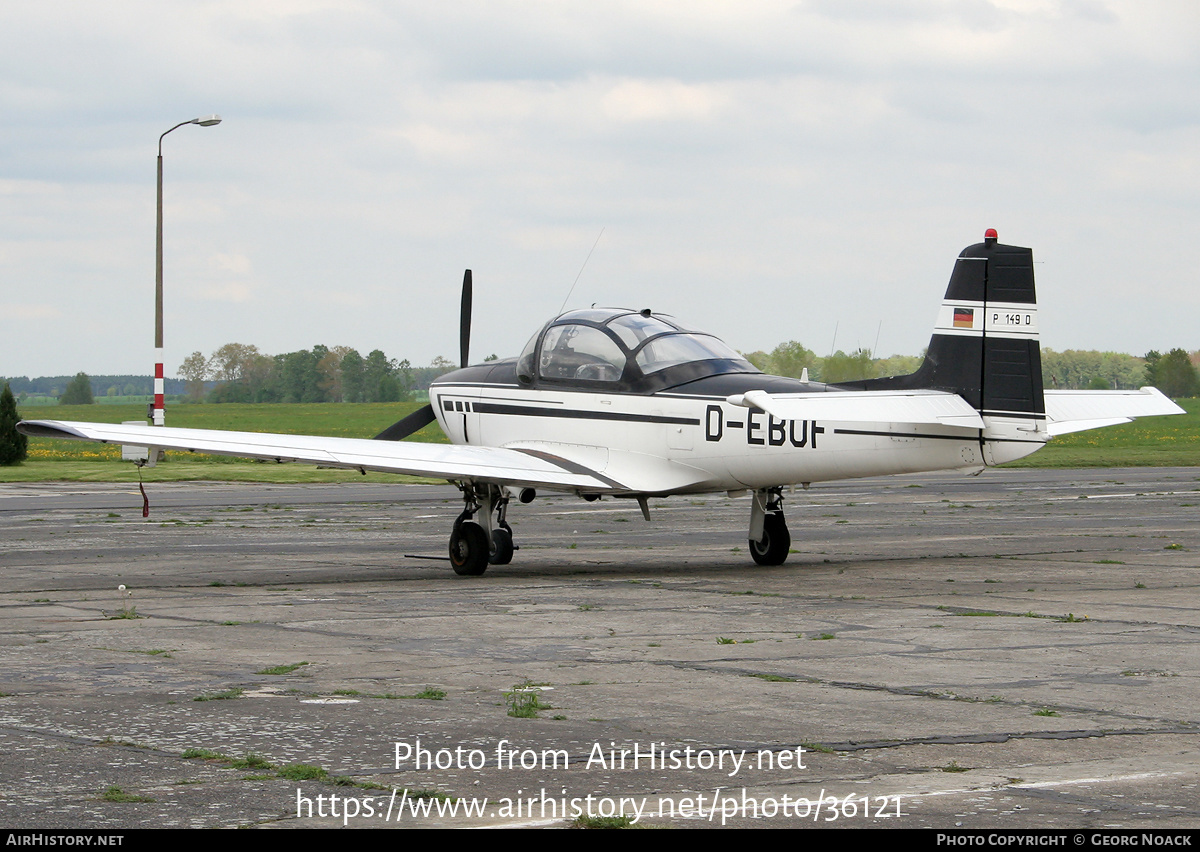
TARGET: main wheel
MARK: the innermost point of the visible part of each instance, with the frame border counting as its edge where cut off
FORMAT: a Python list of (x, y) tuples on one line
[(776, 541), (469, 549), (502, 547)]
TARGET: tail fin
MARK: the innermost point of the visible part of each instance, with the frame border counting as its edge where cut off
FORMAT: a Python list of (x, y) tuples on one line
[(985, 344)]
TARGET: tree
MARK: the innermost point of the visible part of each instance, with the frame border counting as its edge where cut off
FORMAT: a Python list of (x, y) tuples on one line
[(840, 367), (791, 359), (377, 377), (1173, 373), (404, 375), (352, 376), (230, 362), (332, 380), (194, 370), (899, 365), (759, 359), (245, 374), (298, 375), (78, 392), (12, 443), (1075, 368)]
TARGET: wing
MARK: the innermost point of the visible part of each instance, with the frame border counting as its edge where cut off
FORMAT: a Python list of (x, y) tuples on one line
[(527, 466), (925, 407), (1076, 410)]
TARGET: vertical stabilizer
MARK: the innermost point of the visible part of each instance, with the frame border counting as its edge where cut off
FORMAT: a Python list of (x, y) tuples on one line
[(985, 348), (985, 342)]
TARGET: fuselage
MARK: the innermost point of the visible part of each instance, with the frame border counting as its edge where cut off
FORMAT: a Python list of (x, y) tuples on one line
[(693, 427), (652, 404)]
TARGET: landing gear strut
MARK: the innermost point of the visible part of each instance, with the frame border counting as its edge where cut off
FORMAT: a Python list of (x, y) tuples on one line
[(474, 545), (770, 540)]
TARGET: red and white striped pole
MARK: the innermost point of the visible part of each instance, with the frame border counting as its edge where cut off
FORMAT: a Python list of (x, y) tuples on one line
[(159, 415), (159, 387)]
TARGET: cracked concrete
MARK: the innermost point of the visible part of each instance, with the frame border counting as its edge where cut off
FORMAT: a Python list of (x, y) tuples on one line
[(1000, 653)]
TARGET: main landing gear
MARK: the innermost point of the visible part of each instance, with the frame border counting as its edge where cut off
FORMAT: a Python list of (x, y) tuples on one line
[(770, 540), (474, 546)]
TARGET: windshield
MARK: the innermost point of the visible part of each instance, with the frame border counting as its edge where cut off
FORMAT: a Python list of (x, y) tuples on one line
[(671, 349)]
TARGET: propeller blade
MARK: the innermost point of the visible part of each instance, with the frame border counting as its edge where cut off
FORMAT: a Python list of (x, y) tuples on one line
[(401, 429), (464, 323)]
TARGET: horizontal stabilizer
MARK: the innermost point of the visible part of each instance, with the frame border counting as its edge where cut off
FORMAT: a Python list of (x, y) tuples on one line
[(439, 461), (1077, 410), (923, 407)]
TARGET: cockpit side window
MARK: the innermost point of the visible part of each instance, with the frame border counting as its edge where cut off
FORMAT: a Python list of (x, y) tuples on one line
[(580, 353)]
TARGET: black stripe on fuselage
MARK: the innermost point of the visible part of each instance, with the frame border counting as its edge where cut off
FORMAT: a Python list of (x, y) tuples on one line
[(972, 439), (575, 414), (570, 466), (877, 434)]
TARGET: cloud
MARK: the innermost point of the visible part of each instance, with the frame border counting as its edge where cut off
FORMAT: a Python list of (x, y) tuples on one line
[(821, 160), (662, 100), (21, 312)]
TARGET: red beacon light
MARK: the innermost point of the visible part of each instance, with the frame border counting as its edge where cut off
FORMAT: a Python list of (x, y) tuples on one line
[(990, 236)]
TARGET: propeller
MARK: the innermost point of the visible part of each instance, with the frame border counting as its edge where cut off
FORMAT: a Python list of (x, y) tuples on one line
[(424, 415), (464, 320), (401, 429)]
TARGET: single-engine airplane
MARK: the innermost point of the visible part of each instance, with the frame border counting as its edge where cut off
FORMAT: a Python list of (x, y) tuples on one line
[(635, 404)]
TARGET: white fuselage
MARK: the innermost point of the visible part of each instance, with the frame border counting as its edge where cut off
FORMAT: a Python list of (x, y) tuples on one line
[(669, 443)]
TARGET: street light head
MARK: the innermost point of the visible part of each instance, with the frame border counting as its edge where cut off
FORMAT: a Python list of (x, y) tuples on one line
[(207, 120)]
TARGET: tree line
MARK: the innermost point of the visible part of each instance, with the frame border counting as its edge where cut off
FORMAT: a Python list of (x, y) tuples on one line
[(238, 372), (108, 385), (1174, 373)]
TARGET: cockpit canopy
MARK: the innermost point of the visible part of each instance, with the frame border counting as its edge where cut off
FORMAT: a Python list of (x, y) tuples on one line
[(623, 351)]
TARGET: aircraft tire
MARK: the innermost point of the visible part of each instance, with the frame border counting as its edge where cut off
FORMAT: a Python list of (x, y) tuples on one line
[(776, 541), (469, 549), (502, 547)]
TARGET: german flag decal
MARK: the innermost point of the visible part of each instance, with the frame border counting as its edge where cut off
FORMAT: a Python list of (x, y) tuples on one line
[(964, 317)]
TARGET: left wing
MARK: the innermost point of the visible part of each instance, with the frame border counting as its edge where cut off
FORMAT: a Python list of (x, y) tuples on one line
[(442, 461)]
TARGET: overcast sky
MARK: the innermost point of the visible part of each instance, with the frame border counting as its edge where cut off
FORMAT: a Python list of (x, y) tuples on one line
[(767, 171)]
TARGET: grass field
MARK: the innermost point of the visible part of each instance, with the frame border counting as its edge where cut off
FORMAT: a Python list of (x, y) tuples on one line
[(1153, 442), (81, 461), (1159, 441)]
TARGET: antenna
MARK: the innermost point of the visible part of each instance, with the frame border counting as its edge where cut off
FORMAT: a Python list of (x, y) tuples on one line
[(585, 263)]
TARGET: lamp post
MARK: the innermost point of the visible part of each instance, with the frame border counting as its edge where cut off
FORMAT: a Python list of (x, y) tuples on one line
[(159, 413)]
